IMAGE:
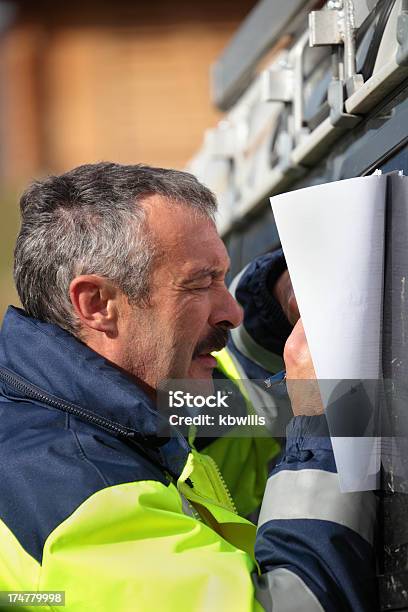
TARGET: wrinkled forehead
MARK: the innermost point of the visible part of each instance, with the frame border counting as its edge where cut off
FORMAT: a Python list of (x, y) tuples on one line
[(183, 237)]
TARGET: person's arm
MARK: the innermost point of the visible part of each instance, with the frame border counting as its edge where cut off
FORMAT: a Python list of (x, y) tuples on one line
[(265, 292), (320, 537)]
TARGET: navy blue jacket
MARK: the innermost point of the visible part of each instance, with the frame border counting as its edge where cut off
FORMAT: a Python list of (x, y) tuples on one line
[(73, 424)]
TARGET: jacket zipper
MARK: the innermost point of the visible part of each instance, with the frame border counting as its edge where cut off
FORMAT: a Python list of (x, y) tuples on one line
[(218, 481), (213, 474), (33, 393)]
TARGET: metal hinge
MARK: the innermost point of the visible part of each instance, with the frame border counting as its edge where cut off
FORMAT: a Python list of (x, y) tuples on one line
[(284, 83), (334, 26)]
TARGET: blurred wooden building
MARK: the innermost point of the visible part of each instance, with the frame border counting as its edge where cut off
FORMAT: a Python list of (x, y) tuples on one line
[(121, 80)]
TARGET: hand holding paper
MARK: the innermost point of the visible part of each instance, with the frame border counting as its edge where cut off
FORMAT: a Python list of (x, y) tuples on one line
[(301, 380), (283, 292)]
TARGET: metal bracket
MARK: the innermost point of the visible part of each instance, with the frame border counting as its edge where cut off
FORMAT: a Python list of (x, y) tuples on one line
[(402, 38), (277, 85), (220, 140), (284, 146), (285, 85), (335, 26), (335, 96), (324, 28)]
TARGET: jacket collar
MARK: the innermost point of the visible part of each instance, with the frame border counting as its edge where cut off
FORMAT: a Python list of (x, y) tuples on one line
[(60, 365)]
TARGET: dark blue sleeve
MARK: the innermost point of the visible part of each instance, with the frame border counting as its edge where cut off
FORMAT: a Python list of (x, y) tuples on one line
[(320, 539), (264, 320)]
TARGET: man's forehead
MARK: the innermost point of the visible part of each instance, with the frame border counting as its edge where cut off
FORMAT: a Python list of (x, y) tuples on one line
[(186, 237), (208, 257)]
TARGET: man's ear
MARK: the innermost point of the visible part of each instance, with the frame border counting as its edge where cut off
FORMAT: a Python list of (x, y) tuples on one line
[(95, 300)]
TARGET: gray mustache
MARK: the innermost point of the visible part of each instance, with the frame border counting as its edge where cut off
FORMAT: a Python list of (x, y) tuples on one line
[(215, 341)]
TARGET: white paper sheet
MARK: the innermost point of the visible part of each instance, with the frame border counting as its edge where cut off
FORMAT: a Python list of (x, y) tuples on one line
[(333, 239)]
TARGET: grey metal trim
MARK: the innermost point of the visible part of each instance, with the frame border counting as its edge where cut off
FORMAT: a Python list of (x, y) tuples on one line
[(371, 147), (268, 21)]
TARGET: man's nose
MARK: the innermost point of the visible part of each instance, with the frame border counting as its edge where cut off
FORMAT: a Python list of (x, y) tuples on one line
[(226, 311)]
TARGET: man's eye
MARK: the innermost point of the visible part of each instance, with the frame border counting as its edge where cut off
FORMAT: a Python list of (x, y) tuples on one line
[(202, 288)]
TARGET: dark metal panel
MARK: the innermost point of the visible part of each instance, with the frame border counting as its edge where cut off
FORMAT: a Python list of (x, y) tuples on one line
[(233, 242), (393, 558), (383, 134), (261, 235), (253, 237)]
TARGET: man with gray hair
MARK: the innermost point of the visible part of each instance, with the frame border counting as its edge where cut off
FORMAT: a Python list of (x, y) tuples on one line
[(121, 274)]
